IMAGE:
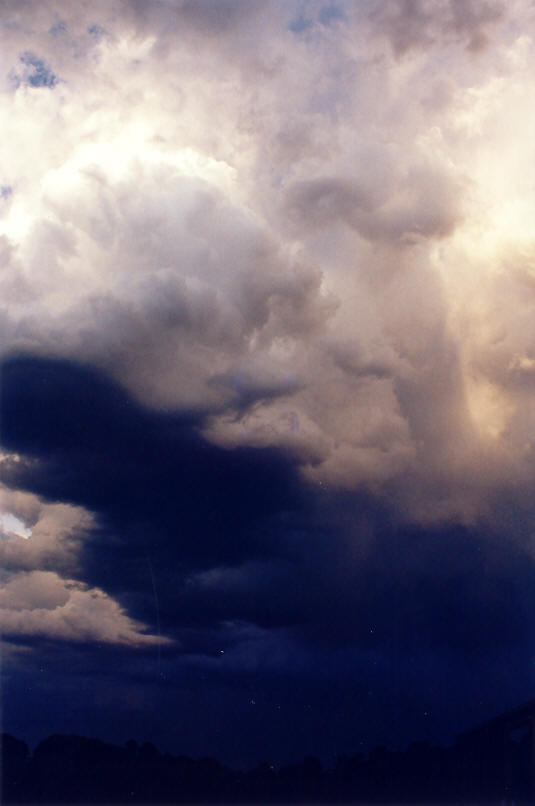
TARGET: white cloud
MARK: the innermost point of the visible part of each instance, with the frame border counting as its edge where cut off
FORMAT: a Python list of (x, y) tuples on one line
[(54, 532), (39, 594), (41, 604), (317, 230)]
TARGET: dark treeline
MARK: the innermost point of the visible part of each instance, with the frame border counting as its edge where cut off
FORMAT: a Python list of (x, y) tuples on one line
[(74, 769)]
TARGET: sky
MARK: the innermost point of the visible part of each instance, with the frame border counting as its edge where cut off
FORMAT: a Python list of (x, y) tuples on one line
[(267, 332)]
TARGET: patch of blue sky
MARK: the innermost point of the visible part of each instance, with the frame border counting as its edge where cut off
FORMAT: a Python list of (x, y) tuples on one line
[(300, 24), (96, 31), (327, 15), (58, 28), (37, 74), (331, 13)]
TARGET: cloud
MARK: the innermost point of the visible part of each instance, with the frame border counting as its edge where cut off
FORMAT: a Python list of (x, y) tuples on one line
[(98, 449), (150, 303), (201, 541), (267, 331), (230, 231), (54, 531), (38, 599), (410, 212), (419, 24), (41, 604)]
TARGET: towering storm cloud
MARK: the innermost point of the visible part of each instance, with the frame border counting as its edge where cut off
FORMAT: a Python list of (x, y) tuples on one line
[(267, 333)]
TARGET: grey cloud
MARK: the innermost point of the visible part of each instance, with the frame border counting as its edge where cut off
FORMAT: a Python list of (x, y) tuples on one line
[(473, 20), (416, 24), (420, 204), (233, 28), (15, 285), (319, 201), (216, 17), (350, 357), (406, 24), (248, 387)]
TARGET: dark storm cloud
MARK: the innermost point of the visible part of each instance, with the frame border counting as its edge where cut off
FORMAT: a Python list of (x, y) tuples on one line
[(290, 607), (445, 591), (221, 537), (151, 471)]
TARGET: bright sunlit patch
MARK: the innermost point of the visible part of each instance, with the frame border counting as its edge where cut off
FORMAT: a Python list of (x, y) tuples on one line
[(138, 142), (522, 363), (13, 526), (17, 223), (489, 408)]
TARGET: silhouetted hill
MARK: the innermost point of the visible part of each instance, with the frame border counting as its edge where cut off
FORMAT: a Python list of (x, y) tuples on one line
[(75, 769)]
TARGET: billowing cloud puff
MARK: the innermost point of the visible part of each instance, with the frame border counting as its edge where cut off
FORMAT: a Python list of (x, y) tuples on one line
[(167, 281), (56, 531), (40, 603), (39, 539), (265, 243)]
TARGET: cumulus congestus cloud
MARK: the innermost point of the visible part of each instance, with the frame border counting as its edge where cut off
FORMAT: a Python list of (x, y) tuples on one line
[(266, 327)]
